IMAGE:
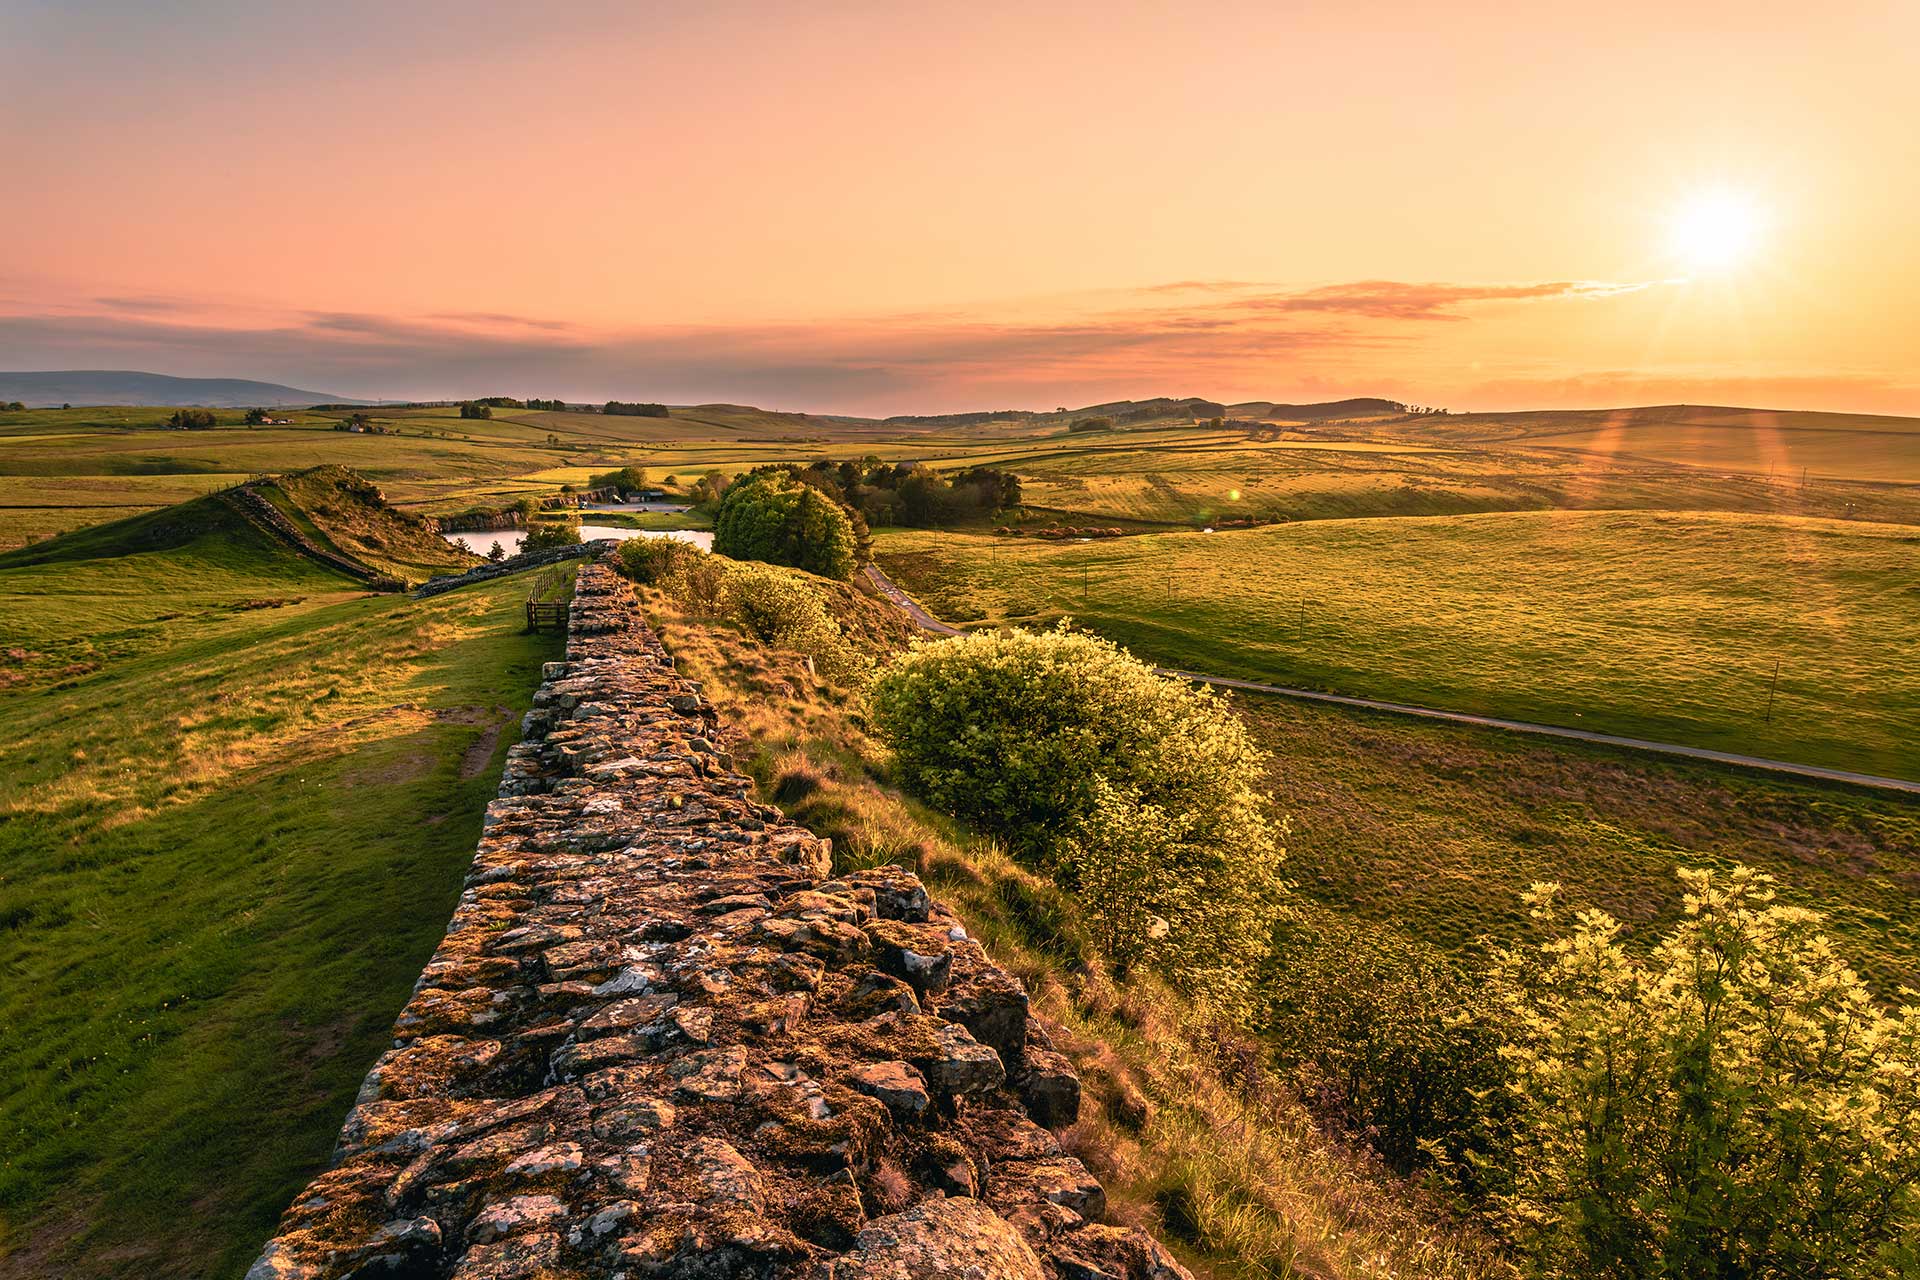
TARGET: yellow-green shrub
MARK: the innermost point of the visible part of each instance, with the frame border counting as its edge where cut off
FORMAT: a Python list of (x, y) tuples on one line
[(1138, 791), (1733, 1104), (655, 560)]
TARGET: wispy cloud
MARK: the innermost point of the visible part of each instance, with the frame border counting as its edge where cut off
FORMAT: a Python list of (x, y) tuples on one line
[(1395, 300), (1190, 333)]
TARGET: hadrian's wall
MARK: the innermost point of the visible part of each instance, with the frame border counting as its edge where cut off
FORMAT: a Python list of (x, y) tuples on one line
[(662, 1039)]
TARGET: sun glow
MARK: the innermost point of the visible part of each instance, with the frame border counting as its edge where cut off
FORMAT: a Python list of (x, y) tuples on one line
[(1715, 231)]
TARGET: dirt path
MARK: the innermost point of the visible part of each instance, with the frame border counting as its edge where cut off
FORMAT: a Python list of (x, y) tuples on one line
[(930, 623)]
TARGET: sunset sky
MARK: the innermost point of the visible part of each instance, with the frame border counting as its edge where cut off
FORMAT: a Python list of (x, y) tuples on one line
[(898, 208)]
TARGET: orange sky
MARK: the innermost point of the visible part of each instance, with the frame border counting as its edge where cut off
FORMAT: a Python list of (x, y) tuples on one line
[(885, 207)]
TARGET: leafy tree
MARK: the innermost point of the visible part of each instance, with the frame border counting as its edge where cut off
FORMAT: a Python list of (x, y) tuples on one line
[(626, 480), (193, 419), (635, 410), (1733, 1104), (473, 409), (555, 531), (257, 417), (1139, 791), (709, 489), (16, 406), (775, 518), (496, 553), (925, 498)]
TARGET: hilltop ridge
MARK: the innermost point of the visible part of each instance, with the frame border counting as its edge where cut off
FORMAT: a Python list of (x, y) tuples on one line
[(132, 387), (329, 515)]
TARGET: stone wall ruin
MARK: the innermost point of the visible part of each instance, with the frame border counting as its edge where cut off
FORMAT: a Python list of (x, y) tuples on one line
[(662, 1039)]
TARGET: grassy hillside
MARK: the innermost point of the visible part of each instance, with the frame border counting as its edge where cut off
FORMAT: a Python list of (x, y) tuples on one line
[(236, 798), (345, 514), (1856, 446), (1416, 831), (1435, 830), (1662, 626), (62, 469), (1189, 1135)]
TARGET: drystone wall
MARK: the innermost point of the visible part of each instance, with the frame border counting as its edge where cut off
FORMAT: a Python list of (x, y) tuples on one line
[(512, 564), (253, 506), (481, 519), (662, 1039)]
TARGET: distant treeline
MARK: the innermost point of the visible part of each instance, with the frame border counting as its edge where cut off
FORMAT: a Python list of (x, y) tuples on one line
[(962, 419), (625, 409), (1194, 408), (905, 493)]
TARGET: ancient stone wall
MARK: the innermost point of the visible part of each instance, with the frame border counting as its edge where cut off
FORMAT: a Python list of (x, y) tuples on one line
[(512, 564), (254, 507), (510, 517), (661, 1038)]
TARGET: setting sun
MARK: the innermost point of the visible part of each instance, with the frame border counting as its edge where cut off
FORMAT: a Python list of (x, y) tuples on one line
[(1715, 231)]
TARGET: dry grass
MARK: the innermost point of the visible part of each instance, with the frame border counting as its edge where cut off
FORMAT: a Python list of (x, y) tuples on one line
[(1190, 1136)]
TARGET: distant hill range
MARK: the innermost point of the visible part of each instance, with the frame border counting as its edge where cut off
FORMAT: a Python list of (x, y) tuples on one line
[(124, 386), (1358, 407), (1198, 407)]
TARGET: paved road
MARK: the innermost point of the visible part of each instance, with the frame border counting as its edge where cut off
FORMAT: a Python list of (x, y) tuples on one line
[(925, 620), (930, 623)]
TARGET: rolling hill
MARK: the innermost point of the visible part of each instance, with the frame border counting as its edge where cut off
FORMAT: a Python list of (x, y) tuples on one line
[(235, 806), (126, 386), (1853, 446)]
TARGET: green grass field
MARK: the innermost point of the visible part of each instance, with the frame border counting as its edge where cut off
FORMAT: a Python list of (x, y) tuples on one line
[(1845, 446), (1435, 830), (64, 469), (237, 792), (237, 795), (1663, 626)]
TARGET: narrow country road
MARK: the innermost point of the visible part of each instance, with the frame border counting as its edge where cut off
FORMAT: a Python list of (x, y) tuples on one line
[(930, 623), (924, 620)]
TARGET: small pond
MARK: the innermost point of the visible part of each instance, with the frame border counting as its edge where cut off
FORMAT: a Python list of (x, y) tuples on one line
[(478, 540)]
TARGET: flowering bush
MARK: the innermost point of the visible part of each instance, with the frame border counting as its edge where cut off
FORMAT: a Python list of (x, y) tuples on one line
[(1732, 1104)]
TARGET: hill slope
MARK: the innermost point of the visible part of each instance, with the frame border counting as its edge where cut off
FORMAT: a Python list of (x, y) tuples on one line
[(331, 519), (1660, 625), (1787, 443), (127, 386), (236, 797)]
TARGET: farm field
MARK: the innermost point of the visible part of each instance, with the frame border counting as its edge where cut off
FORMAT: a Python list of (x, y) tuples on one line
[(65, 469), (236, 802), (1653, 625), (1199, 479)]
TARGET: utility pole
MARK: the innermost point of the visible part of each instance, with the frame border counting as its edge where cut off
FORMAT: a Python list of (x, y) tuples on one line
[(1772, 689)]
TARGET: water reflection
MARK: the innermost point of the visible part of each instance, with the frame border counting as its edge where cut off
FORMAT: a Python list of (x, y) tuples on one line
[(478, 540)]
